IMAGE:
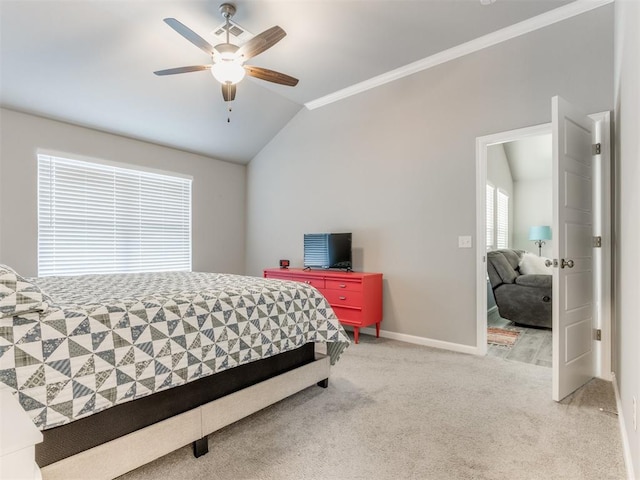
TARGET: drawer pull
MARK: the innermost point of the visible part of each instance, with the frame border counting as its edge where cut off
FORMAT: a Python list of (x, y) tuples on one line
[(308, 282), (342, 297), (342, 285)]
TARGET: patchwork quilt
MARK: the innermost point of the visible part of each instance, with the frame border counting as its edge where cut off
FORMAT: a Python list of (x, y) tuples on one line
[(107, 339)]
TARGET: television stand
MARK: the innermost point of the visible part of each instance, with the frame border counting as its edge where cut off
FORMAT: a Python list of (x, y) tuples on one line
[(355, 297)]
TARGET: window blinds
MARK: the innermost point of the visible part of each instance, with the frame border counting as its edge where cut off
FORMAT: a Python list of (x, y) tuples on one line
[(502, 220), (97, 218), (490, 217)]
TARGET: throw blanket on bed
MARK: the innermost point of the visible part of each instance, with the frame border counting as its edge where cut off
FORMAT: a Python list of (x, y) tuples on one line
[(108, 339)]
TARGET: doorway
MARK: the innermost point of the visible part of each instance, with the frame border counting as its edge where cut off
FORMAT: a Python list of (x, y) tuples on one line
[(602, 225), (519, 207)]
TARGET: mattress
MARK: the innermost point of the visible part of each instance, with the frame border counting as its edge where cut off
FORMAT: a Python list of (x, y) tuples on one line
[(108, 339)]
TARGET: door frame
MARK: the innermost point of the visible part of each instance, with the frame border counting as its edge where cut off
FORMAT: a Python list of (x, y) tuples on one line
[(602, 204)]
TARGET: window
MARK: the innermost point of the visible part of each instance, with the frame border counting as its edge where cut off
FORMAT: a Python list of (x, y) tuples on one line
[(502, 219), (100, 218), (497, 218), (490, 217)]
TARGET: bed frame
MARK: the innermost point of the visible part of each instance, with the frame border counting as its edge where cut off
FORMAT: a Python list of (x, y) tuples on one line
[(108, 444)]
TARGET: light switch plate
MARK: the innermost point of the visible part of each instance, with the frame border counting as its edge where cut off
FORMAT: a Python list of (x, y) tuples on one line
[(464, 241)]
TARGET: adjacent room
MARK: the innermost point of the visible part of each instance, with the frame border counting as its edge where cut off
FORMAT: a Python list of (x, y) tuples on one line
[(330, 240), (519, 213)]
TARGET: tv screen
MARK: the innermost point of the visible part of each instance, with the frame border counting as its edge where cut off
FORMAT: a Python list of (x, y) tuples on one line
[(327, 250)]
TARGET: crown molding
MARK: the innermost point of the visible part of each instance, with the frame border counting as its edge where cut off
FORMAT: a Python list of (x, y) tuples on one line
[(526, 26)]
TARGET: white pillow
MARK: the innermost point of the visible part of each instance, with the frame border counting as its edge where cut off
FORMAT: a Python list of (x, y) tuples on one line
[(531, 263)]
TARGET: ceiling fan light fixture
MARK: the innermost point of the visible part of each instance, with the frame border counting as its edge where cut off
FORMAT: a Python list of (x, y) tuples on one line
[(227, 59), (225, 51), (228, 72)]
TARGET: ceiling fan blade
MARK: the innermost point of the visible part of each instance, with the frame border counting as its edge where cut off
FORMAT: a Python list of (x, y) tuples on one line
[(270, 75), (228, 92), (261, 42), (173, 71), (190, 35)]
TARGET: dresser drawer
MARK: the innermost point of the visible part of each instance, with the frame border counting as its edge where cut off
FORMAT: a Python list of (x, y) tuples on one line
[(338, 298), (349, 316), (348, 286), (355, 297), (314, 282)]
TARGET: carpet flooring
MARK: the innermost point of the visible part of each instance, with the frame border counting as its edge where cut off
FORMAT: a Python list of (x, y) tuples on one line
[(399, 411)]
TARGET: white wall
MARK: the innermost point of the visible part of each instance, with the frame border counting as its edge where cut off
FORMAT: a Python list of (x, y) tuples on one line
[(627, 230), (499, 175), (219, 189), (533, 205), (396, 166)]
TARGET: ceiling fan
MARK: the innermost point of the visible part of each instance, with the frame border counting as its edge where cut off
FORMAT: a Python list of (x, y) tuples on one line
[(228, 59)]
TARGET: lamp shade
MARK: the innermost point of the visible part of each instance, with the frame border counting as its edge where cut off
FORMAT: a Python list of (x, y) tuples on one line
[(541, 232)]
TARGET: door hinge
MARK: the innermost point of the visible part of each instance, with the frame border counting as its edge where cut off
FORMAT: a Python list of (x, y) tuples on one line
[(597, 242), (598, 334), (596, 149)]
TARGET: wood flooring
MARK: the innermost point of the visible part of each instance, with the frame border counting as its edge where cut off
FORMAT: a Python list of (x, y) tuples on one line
[(533, 346)]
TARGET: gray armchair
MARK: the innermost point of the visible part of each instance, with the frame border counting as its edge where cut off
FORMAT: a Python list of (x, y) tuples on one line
[(523, 299)]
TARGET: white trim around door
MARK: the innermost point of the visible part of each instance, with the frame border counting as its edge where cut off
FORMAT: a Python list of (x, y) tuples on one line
[(602, 227)]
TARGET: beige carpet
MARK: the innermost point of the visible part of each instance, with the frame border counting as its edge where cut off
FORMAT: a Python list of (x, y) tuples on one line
[(400, 411)]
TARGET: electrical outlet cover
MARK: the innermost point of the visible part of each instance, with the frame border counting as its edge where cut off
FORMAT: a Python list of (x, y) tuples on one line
[(464, 241)]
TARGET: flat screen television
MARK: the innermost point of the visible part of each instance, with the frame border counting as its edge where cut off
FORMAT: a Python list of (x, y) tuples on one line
[(327, 250)]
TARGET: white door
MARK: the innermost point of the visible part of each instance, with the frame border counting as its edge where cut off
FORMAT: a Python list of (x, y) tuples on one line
[(573, 309)]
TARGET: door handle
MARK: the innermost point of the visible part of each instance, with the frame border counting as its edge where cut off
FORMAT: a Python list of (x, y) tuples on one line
[(548, 263), (566, 263)]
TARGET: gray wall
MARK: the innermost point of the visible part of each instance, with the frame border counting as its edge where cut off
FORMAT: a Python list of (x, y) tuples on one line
[(627, 231), (219, 189), (533, 205), (396, 166)]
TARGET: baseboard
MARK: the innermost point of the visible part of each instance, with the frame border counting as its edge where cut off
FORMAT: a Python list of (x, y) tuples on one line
[(492, 314), (427, 342), (626, 450)]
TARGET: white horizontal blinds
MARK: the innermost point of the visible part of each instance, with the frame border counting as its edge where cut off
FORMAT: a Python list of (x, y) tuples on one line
[(502, 219), (95, 218), (490, 217)]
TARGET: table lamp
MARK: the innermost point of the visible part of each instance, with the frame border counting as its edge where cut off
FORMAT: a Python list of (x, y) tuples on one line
[(539, 234)]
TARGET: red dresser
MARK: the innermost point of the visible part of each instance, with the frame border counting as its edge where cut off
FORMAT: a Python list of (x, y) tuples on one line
[(356, 298)]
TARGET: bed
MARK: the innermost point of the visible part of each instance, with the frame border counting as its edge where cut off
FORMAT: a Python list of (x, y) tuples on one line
[(102, 364)]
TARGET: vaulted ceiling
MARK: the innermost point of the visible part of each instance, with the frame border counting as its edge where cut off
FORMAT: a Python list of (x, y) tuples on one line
[(530, 158), (91, 63)]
